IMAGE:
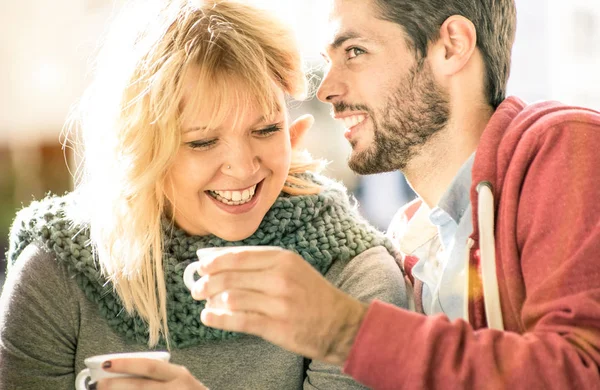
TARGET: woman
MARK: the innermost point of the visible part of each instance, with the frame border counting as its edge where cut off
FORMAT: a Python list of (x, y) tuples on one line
[(186, 145)]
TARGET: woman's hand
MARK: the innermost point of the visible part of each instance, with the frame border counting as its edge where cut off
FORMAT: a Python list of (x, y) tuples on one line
[(152, 374)]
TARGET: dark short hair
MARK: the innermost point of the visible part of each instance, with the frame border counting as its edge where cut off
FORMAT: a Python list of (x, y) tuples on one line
[(494, 20)]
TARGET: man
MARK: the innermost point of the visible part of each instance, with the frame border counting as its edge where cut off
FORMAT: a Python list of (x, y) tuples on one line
[(421, 88)]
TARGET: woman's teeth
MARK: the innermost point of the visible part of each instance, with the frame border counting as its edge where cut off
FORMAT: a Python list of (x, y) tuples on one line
[(234, 198)]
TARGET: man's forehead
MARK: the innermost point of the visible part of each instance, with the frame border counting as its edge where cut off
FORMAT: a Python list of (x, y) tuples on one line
[(348, 19)]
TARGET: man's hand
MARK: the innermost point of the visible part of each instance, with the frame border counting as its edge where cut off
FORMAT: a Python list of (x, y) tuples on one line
[(276, 295)]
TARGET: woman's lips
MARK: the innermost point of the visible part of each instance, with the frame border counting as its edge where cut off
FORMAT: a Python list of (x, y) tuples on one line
[(242, 208)]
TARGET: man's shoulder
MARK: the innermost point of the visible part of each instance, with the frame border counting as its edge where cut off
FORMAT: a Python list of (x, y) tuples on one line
[(514, 117), (517, 130), (540, 117)]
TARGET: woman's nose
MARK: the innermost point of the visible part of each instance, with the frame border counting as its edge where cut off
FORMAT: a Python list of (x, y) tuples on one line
[(241, 161)]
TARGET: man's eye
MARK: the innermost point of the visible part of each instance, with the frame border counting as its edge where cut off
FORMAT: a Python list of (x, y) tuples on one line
[(267, 131), (201, 145), (353, 52)]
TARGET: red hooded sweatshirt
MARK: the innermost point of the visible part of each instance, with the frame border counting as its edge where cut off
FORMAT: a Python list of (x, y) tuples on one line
[(543, 164)]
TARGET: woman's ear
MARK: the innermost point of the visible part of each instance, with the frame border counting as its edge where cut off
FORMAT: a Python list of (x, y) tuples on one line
[(299, 128)]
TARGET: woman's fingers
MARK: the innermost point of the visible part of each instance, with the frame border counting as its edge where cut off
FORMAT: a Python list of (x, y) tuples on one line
[(148, 374), (147, 384), (156, 370), (129, 384)]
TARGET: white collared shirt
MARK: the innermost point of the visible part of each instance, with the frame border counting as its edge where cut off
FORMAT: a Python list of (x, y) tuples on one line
[(441, 269)]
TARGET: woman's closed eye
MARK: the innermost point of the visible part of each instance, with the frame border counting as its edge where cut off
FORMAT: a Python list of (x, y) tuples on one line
[(206, 144), (202, 144), (268, 131)]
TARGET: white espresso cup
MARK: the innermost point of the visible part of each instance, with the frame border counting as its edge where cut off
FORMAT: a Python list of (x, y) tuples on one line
[(95, 372), (205, 253)]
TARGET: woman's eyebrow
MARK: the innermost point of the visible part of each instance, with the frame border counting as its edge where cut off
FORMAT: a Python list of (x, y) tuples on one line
[(261, 119)]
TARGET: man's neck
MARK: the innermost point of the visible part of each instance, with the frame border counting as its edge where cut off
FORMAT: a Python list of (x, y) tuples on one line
[(431, 172)]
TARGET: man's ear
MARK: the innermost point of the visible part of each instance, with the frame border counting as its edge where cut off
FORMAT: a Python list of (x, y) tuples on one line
[(299, 128), (456, 44)]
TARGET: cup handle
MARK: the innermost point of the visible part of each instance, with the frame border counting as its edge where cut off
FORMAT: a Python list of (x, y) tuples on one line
[(188, 274), (81, 377)]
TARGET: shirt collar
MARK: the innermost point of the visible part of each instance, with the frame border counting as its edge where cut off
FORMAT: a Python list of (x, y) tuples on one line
[(456, 199)]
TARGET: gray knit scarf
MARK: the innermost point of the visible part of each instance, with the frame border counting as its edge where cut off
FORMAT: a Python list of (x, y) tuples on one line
[(322, 228)]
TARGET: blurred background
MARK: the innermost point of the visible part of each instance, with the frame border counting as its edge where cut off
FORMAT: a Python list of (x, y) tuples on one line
[(46, 49)]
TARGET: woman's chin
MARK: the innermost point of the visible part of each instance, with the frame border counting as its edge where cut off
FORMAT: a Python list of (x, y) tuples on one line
[(235, 234), (237, 230)]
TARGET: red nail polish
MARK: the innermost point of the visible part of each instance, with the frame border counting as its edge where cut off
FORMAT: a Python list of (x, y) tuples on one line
[(106, 364)]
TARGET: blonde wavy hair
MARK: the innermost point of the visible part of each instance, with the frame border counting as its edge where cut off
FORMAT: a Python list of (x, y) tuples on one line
[(126, 129)]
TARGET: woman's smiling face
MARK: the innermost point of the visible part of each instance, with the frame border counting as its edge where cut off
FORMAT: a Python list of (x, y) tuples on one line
[(224, 179)]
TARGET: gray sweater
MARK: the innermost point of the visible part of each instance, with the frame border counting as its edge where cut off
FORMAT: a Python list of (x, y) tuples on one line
[(48, 327)]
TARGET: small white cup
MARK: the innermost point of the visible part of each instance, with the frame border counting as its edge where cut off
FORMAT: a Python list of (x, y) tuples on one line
[(95, 372), (192, 268)]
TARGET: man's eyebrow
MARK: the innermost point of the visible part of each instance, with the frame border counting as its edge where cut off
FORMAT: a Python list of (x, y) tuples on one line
[(341, 38)]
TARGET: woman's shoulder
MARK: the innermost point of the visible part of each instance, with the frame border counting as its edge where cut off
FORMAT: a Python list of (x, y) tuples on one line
[(370, 264), (39, 316), (326, 228), (324, 185), (372, 274), (34, 263), (329, 195), (43, 221), (37, 275)]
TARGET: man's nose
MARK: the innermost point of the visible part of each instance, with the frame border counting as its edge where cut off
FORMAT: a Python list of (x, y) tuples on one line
[(332, 86)]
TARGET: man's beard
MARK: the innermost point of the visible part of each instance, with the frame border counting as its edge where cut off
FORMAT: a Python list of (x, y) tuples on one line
[(413, 113)]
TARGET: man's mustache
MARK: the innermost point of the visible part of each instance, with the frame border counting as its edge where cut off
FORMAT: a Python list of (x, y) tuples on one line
[(340, 107)]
